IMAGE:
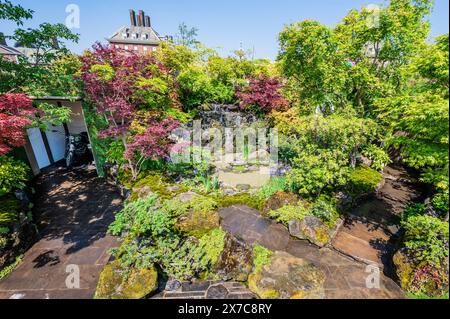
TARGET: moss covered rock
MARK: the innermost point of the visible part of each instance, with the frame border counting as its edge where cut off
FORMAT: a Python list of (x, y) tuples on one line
[(364, 180), (287, 277), (198, 223), (278, 200), (115, 282), (235, 261), (312, 229)]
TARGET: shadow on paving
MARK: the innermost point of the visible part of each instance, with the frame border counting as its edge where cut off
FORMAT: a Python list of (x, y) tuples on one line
[(73, 210), (372, 229)]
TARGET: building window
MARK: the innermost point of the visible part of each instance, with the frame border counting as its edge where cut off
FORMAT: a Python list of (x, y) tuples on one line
[(145, 36), (154, 49), (126, 47), (145, 48), (125, 35), (135, 48)]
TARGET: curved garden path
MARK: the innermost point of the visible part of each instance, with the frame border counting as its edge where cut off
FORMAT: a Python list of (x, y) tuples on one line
[(74, 209), (371, 230), (345, 277)]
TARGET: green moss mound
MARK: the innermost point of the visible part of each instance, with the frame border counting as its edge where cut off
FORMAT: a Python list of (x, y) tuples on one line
[(363, 180), (239, 199), (198, 223)]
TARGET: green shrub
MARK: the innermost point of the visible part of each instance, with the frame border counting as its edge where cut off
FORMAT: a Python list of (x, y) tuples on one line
[(413, 210), (178, 258), (274, 185), (9, 210), (261, 257), (323, 208), (326, 210), (289, 212), (13, 174), (426, 239), (363, 180), (377, 155), (440, 202), (114, 154), (142, 217), (198, 203)]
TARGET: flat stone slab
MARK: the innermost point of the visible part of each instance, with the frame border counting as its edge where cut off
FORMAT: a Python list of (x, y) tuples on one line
[(248, 224), (74, 209), (346, 278), (207, 290)]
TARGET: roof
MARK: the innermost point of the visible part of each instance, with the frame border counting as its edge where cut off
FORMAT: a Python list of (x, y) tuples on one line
[(10, 50), (135, 35)]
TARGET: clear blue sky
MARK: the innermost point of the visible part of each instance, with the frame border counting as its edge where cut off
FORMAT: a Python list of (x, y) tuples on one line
[(222, 24)]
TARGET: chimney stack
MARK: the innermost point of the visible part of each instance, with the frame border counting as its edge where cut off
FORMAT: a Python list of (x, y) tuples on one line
[(132, 18), (147, 21), (141, 18)]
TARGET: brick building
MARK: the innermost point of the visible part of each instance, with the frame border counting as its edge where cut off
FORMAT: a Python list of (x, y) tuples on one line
[(139, 36)]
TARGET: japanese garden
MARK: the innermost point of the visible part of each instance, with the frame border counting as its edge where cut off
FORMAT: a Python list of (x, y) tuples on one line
[(320, 175)]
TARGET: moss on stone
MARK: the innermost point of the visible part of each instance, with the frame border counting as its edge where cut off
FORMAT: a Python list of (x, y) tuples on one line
[(198, 223), (239, 199), (156, 183), (261, 257), (364, 180), (115, 282)]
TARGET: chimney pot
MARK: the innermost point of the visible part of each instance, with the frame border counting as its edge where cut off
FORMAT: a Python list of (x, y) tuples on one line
[(148, 21), (141, 18), (132, 17)]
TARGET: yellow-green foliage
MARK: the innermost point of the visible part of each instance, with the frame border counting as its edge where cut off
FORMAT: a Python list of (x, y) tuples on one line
[(212, 245), (9, 210), (286, 213), (201, 204), (198, 223), (8, 269), (240, 199), (158, 184), (364, 180), (261, 257)]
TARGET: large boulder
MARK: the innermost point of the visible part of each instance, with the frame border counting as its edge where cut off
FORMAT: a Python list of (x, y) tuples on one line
[(278, 200), (236, 260), (115, 282), (288, 277), (198, 223), (312, 229)]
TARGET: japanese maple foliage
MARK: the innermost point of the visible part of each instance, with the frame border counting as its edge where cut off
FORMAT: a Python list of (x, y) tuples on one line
[(263, 91), (119, 84), (154, 143), (16, 111)]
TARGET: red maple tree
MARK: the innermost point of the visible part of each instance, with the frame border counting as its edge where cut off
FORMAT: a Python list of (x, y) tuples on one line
[(263, 91), (16, 111)]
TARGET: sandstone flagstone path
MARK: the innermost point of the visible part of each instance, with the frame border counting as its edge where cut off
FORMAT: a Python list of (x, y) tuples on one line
[(371, 231), (74, 209), (346, 278)]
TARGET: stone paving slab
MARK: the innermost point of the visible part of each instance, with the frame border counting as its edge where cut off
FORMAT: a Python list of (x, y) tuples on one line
[(74, 211), (345, 276)]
